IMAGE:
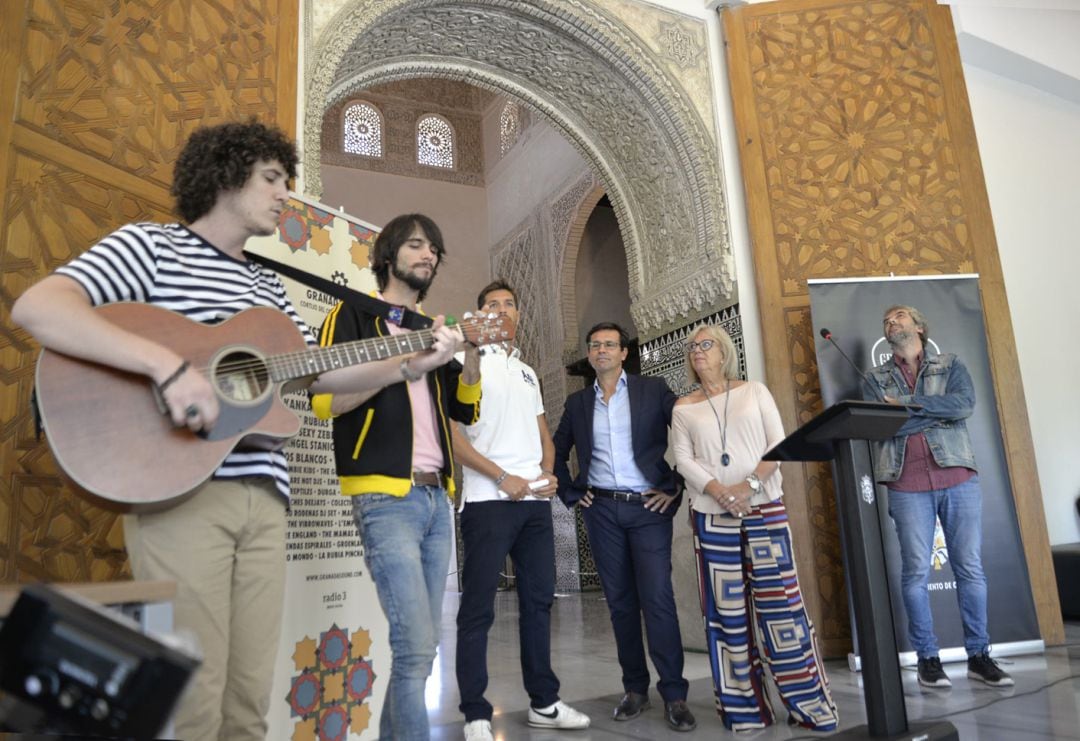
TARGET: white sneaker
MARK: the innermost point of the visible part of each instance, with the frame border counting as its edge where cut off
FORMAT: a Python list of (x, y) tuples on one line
[(559, 715), (478, 730)]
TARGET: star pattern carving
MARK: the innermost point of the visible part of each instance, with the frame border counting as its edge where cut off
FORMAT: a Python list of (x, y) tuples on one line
[(106, 91), (857, 147)]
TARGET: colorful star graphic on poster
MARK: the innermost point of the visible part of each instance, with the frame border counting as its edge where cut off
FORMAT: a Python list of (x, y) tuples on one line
[(363, 241), (301, 226), (328, 696)]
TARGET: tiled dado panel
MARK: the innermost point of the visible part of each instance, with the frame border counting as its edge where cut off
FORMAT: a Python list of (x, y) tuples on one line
[(666, 355)]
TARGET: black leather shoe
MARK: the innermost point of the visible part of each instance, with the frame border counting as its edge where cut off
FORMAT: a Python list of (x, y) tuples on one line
[(631, 705), (678, 716)]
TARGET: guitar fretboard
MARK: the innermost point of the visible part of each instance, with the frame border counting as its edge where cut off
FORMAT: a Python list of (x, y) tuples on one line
[(313, 362)]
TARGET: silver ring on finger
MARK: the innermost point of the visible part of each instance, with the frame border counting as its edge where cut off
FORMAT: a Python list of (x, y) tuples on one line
[(191, 411)]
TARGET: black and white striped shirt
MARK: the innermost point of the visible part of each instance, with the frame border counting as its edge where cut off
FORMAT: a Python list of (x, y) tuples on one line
[(170, 266)]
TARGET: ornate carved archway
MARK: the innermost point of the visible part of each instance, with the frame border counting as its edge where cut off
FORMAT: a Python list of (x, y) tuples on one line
[(595, 82), (571, 349)]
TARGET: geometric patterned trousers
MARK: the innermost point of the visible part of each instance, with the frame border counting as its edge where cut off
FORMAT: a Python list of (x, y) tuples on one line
[(754, 613)]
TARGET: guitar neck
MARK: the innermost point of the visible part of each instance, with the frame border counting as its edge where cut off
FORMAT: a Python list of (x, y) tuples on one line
[(290, 366)]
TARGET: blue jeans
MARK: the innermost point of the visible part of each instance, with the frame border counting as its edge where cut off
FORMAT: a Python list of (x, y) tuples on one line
[(407, 550), (960, 510)]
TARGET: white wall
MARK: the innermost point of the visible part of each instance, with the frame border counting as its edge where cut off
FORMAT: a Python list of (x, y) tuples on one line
[(541, 162), (1044, 35), (738, 224), (1029, 141)]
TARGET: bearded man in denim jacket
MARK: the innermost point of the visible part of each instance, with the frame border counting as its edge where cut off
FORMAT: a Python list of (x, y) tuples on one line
[(929, 469)]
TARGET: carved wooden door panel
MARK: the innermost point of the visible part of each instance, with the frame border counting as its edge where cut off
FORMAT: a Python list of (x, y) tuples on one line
[(97, 100)]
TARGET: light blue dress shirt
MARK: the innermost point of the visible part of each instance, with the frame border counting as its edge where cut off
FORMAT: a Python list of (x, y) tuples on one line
[(612, 465)]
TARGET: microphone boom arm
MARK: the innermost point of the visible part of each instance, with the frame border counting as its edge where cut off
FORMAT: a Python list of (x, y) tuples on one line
[(879, 394)]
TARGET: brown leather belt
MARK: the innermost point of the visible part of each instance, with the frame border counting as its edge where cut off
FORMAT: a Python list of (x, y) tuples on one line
[(619, 495), (426, 478)]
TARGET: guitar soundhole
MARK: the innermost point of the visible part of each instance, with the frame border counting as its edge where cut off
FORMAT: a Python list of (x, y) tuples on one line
[(241, 376)]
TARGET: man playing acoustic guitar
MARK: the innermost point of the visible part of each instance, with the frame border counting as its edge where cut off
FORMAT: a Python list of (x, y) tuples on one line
[(224, 546)]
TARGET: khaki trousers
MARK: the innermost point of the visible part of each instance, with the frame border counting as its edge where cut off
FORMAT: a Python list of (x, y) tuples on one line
[(225, 549)]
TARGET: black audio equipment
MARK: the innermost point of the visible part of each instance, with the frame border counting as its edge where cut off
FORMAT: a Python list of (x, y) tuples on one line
[(69, 666)]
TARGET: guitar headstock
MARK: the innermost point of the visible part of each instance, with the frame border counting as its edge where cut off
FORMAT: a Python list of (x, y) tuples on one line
[(487, 329)]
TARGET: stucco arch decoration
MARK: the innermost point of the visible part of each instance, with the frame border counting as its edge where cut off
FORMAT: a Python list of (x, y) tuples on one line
[(583, 205), (594, 81)]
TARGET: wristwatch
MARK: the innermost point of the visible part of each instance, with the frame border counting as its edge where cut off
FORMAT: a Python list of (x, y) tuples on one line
[(754, 482)]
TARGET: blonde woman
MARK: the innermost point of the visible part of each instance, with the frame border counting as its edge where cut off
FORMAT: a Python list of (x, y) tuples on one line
[(749, 589)]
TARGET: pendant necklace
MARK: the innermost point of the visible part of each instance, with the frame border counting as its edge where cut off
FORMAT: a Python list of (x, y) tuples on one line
[(725, 459)]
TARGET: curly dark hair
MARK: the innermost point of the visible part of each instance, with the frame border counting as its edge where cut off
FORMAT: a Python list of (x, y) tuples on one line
[(220, 158)]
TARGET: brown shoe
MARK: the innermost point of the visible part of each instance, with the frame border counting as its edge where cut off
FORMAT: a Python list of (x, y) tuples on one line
[(678, 716), (631, 705)]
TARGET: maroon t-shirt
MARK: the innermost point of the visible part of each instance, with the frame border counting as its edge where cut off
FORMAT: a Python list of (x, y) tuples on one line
[(921, 472)]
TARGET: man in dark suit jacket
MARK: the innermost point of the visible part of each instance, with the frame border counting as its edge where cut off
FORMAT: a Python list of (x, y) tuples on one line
[(628, 493)]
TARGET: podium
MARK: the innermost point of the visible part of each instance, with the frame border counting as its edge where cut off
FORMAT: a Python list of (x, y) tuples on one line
[(840, 434)]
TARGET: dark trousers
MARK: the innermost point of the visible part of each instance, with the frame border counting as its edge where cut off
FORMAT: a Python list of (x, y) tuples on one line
[(632, 550), (490, 531)]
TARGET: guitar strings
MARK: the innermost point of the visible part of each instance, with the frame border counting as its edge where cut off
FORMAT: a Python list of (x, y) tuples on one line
[(291, 360), (297, 358)]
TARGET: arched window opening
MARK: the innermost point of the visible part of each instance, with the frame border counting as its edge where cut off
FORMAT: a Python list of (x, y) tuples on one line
[(509, 126), (435, 142), (363, 130)]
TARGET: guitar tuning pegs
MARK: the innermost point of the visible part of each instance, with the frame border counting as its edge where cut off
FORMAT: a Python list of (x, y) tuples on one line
[(467, 315)]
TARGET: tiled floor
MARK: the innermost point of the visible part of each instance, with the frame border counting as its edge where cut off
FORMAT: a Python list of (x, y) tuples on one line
[(1044, 704)]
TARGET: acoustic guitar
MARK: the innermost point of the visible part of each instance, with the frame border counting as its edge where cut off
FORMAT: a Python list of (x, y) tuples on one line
[(110, 432)]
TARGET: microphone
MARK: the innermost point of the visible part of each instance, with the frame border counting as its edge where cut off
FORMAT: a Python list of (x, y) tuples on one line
[(869, 381)]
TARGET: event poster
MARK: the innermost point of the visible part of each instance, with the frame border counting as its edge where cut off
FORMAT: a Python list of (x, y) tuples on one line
[(852, 310), (334, 656)]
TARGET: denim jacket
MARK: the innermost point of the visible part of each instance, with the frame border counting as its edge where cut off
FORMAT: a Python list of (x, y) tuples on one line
[(944, 389)]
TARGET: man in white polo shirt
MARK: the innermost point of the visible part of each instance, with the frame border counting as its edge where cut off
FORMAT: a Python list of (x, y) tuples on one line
[(507, 459)]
